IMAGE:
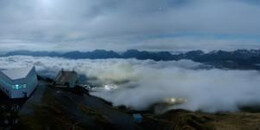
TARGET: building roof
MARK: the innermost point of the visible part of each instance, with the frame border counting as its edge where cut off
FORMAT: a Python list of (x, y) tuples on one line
[(17, 73)]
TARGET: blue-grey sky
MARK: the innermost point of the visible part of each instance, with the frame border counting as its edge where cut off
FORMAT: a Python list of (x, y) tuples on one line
[(155, 25)]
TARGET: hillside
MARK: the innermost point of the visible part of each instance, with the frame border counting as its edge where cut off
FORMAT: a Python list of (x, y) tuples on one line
[(53, 108)]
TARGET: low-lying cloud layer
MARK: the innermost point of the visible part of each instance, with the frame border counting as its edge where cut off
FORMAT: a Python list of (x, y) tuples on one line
[(139, 84)]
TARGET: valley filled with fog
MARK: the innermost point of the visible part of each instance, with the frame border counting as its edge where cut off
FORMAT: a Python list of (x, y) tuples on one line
[(138, 84)]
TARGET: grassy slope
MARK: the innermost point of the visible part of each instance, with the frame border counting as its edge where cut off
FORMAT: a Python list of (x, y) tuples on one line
[(66, 110), (52, 114), (180, 119)]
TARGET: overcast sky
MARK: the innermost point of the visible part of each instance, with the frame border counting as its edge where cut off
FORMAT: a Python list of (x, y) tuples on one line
[(155, 25)]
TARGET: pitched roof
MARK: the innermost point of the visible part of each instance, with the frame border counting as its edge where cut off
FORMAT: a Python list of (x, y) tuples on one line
[(17, 73)]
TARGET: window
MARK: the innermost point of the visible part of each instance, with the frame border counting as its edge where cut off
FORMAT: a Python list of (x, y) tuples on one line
[(19, 86)]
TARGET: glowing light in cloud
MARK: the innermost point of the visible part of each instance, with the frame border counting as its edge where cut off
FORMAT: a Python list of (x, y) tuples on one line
[(110, 87)]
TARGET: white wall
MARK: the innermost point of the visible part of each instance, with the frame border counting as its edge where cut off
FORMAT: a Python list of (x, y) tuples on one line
[(31, 83), (5, 84)]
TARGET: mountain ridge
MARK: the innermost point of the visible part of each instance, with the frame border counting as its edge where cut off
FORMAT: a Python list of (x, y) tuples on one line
[(238, 59)]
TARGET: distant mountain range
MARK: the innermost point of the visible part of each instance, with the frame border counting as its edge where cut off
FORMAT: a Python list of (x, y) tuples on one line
[(239, 59)]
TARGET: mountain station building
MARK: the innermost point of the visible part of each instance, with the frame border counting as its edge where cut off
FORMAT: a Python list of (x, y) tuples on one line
[(18, 82), (66, 79)]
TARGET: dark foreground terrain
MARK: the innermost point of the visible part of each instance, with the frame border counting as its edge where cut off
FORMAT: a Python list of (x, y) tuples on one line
[(51, 108)]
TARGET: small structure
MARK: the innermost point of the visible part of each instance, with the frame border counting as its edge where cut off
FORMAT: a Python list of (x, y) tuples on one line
[(66, 79), (18, 82)]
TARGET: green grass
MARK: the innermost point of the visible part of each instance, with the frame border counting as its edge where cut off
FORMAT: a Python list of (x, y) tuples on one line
[(47, 115)]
